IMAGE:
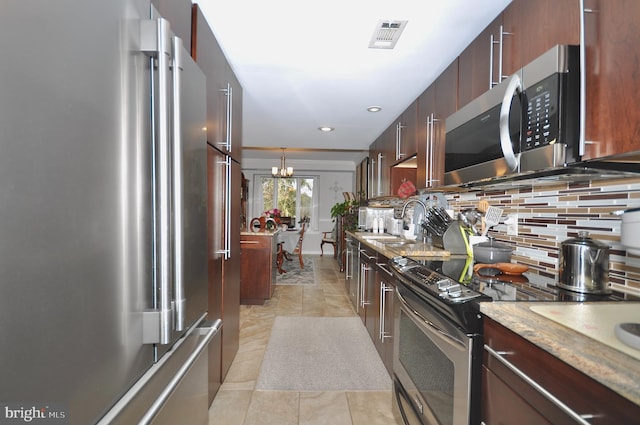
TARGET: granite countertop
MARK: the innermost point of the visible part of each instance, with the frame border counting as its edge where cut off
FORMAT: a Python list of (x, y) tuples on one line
[(391, 246), (608, 366), (262, 233)]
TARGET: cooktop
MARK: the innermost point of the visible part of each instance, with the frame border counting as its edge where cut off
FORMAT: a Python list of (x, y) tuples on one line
[(506, 287)]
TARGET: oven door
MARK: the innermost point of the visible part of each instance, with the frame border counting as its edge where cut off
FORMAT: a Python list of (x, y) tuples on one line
[(432, 364)]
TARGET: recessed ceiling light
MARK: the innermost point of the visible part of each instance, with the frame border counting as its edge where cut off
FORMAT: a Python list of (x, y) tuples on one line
[(325, 128), (374, 108)]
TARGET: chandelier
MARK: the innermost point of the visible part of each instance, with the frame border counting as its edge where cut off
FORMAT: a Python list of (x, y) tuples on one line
[(283, 171)]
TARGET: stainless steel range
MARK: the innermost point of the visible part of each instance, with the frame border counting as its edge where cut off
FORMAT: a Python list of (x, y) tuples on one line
[(437, 344), (438, 334)]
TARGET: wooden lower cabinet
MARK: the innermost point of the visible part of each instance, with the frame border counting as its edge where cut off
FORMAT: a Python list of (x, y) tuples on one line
[(258, 253), (383, 327), (367, 299), (510, 398)]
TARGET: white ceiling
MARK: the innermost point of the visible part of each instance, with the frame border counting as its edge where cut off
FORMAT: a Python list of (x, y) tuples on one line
[(303, 65)]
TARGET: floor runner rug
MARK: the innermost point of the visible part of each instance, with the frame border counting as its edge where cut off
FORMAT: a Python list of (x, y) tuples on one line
[(321, 354)]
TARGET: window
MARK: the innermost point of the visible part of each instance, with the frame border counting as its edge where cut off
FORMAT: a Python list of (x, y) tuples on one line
[(295, 197)]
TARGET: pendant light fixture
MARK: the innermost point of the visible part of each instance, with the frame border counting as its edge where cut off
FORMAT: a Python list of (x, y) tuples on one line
[(283, 171)]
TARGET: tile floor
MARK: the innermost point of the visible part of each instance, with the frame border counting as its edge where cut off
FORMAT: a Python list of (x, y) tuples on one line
[(237, 403)]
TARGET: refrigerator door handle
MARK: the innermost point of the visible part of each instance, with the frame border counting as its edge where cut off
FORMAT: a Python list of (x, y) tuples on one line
[(203, 343), (163, 181), (156, 43), (178, 207), (178, 362)]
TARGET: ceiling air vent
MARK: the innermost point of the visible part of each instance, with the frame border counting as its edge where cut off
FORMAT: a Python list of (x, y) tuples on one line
[(386, 34)]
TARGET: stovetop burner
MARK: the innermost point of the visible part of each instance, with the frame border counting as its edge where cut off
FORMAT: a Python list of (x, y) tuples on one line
[(503, 287)]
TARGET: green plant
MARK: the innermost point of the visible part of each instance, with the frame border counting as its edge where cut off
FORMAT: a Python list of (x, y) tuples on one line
[(348, 210), (342, 208)]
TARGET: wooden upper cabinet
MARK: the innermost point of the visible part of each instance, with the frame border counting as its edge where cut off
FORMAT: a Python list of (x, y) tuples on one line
[(522, 32), (406, 134), (477, 71), (387, 150), (236, 115), (375, 184), (426, 107), (612, 77), (434, 106), (533, 27), (223, 92)]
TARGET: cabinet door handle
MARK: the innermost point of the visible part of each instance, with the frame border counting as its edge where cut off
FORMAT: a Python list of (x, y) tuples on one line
[(369, 257), (384, 289), (428, 164), (499, 355), (380, 156), (347, 267), (583, 80), (249, 242), (228, 92), (384, 268), (500, 43), (399, 153)]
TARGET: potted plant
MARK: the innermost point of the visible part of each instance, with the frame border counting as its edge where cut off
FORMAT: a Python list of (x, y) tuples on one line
[(348, 210)]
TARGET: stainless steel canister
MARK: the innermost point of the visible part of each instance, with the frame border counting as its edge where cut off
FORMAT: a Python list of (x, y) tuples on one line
[(584, 265)]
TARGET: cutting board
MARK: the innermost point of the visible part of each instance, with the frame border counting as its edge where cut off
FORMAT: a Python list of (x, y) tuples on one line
[(594, 320)]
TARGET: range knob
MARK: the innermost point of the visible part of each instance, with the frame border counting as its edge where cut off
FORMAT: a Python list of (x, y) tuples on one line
[(444, 285)]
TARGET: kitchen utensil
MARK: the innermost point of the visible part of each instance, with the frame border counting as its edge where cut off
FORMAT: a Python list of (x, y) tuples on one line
[(630, 229), (584, 265), (483, 206), (491, 218), (491, 252), (503, 268)]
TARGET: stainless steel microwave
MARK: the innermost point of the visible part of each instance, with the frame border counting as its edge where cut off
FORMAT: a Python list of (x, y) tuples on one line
[(529, 122)]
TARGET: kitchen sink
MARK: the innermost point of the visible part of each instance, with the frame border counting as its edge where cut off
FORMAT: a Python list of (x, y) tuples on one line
[(397, 243), (378, 236)]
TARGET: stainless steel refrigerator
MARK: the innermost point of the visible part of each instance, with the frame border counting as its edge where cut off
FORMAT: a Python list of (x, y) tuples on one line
[(103, 209)]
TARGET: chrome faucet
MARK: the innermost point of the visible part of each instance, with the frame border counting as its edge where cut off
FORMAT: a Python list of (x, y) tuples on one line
[(420, 229), (404, 207)]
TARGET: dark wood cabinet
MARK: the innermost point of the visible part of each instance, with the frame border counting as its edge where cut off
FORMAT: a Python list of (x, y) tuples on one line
[(362, 180), (479, 63), (258, 272), (522, 32), (224, 93), (435, 104), (519, 378), (612, 32), (383, 326), (533, 27), (224, 211), (405, 144), (379, 154), (367, 299)]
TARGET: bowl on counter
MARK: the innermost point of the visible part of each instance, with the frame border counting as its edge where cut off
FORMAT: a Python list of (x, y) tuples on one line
[(491, 252)]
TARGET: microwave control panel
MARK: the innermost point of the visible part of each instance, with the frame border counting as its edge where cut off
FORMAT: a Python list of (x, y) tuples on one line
[(541, 123)]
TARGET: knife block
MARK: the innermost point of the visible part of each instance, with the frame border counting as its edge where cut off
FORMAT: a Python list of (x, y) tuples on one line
[(451, 240)]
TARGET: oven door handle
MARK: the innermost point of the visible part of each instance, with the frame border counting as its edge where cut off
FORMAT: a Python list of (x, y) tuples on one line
[(426, 321)]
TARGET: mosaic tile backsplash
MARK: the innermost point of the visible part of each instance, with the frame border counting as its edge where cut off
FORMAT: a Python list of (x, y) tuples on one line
[(548, 215)]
